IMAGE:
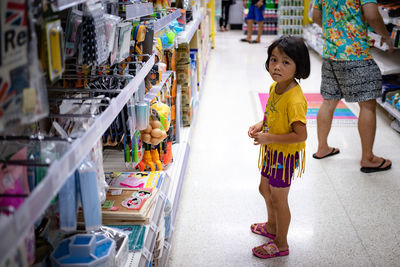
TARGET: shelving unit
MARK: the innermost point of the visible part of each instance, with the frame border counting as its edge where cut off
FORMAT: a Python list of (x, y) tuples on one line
[(312, 35), (138, 10), (156, 89), (290, 17), (392, 111), (14, 228), (60, 5), (388, 64), (190, 29), (175, 172), (164, 21)]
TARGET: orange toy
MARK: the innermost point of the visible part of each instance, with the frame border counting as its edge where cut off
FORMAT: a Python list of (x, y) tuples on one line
[(156, 159)]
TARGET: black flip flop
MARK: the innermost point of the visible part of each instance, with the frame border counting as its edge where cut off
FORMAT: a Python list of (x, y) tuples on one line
[(376, 169), (333, 152), (255, 42), (245, 40)]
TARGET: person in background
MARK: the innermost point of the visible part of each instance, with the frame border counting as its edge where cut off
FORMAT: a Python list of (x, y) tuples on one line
[(349, 72), (281, 136), (256, 13), (224, 20)]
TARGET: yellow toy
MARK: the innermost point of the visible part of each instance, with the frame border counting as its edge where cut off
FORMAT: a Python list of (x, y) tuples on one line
[(156, 159), (148, 161)]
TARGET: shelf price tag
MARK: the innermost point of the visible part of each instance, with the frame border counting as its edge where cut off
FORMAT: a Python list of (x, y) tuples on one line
[(154, 227), (146, 253), (167, 245), (163, 196)]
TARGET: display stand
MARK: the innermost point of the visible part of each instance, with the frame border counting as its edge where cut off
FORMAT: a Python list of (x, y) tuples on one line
[(14, 228), (175, 172)]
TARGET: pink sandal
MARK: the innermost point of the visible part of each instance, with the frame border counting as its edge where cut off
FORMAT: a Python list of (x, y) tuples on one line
[(271, 249), (259, 229)]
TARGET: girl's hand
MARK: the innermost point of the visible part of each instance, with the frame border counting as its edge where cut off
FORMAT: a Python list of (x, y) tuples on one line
[(256, 128), (262, 139)]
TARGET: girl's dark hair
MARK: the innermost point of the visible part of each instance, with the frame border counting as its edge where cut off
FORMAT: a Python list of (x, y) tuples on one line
[(295, 48)]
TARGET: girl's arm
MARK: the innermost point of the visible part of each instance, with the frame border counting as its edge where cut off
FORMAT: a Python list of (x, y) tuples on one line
[(254, 129), (298, 135)]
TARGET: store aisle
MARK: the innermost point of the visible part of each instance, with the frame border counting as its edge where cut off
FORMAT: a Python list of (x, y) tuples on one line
[(340, 216)]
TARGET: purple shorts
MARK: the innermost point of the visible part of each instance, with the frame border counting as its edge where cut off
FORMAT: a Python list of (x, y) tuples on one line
[(276, 180)]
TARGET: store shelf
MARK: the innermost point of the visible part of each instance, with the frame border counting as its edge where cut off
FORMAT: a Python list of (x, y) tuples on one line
[(377, 42), (144, 257), (388, 63), (146, 254), (182, 151), (291, 17), (190, 29), (14, 228), (59, 5), (386, 19), (157, 88), (164, 21), (136, 10), (392, 111), (290, 7)]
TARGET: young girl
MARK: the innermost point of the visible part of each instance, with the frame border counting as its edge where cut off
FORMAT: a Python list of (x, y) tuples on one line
[(281, 134)]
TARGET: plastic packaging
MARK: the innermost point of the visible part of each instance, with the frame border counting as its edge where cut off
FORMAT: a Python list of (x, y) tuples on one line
[(142, 115), (121, 243), (85, 250), (89, 197), (96, 155), (124, 40), (74, 21), (111, 23), (23, 94), (68, 204), (55, 49), (13, 181)]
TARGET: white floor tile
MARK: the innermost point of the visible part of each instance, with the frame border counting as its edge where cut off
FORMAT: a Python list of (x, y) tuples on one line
[(340, 216)]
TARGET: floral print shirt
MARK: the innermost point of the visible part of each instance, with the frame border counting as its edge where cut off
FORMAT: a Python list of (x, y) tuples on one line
[(344, 29)]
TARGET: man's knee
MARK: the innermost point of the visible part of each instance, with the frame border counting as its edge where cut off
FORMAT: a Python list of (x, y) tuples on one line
[(369, 104)]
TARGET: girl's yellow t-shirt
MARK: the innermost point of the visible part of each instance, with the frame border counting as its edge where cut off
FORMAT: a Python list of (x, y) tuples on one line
[(281, 111)]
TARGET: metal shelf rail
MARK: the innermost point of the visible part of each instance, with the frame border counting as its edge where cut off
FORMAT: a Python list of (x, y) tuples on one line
[(164, 21)]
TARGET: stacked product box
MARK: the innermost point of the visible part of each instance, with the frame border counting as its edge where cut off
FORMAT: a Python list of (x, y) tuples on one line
[(183, 73)]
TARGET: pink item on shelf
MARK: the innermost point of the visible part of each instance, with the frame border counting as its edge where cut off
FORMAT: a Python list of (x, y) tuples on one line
[(13, 181), (132, 182)]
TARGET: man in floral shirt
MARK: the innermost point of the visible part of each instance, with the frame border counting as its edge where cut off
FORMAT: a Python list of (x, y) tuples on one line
[(349, 71)]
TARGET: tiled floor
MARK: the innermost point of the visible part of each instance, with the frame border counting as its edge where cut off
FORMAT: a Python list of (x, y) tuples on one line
[(340, 216)]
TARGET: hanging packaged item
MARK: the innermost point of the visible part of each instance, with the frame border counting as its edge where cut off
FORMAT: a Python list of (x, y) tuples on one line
[(55, 49), (111, 23), (73, 23), (87, 179), (122, 48), (23, 95), (93, 46)]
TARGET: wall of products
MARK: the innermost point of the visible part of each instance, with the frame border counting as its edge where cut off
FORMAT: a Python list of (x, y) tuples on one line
[(83, 83)]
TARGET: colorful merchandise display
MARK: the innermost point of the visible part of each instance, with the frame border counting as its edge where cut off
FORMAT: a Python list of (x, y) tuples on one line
[(84, 85)]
